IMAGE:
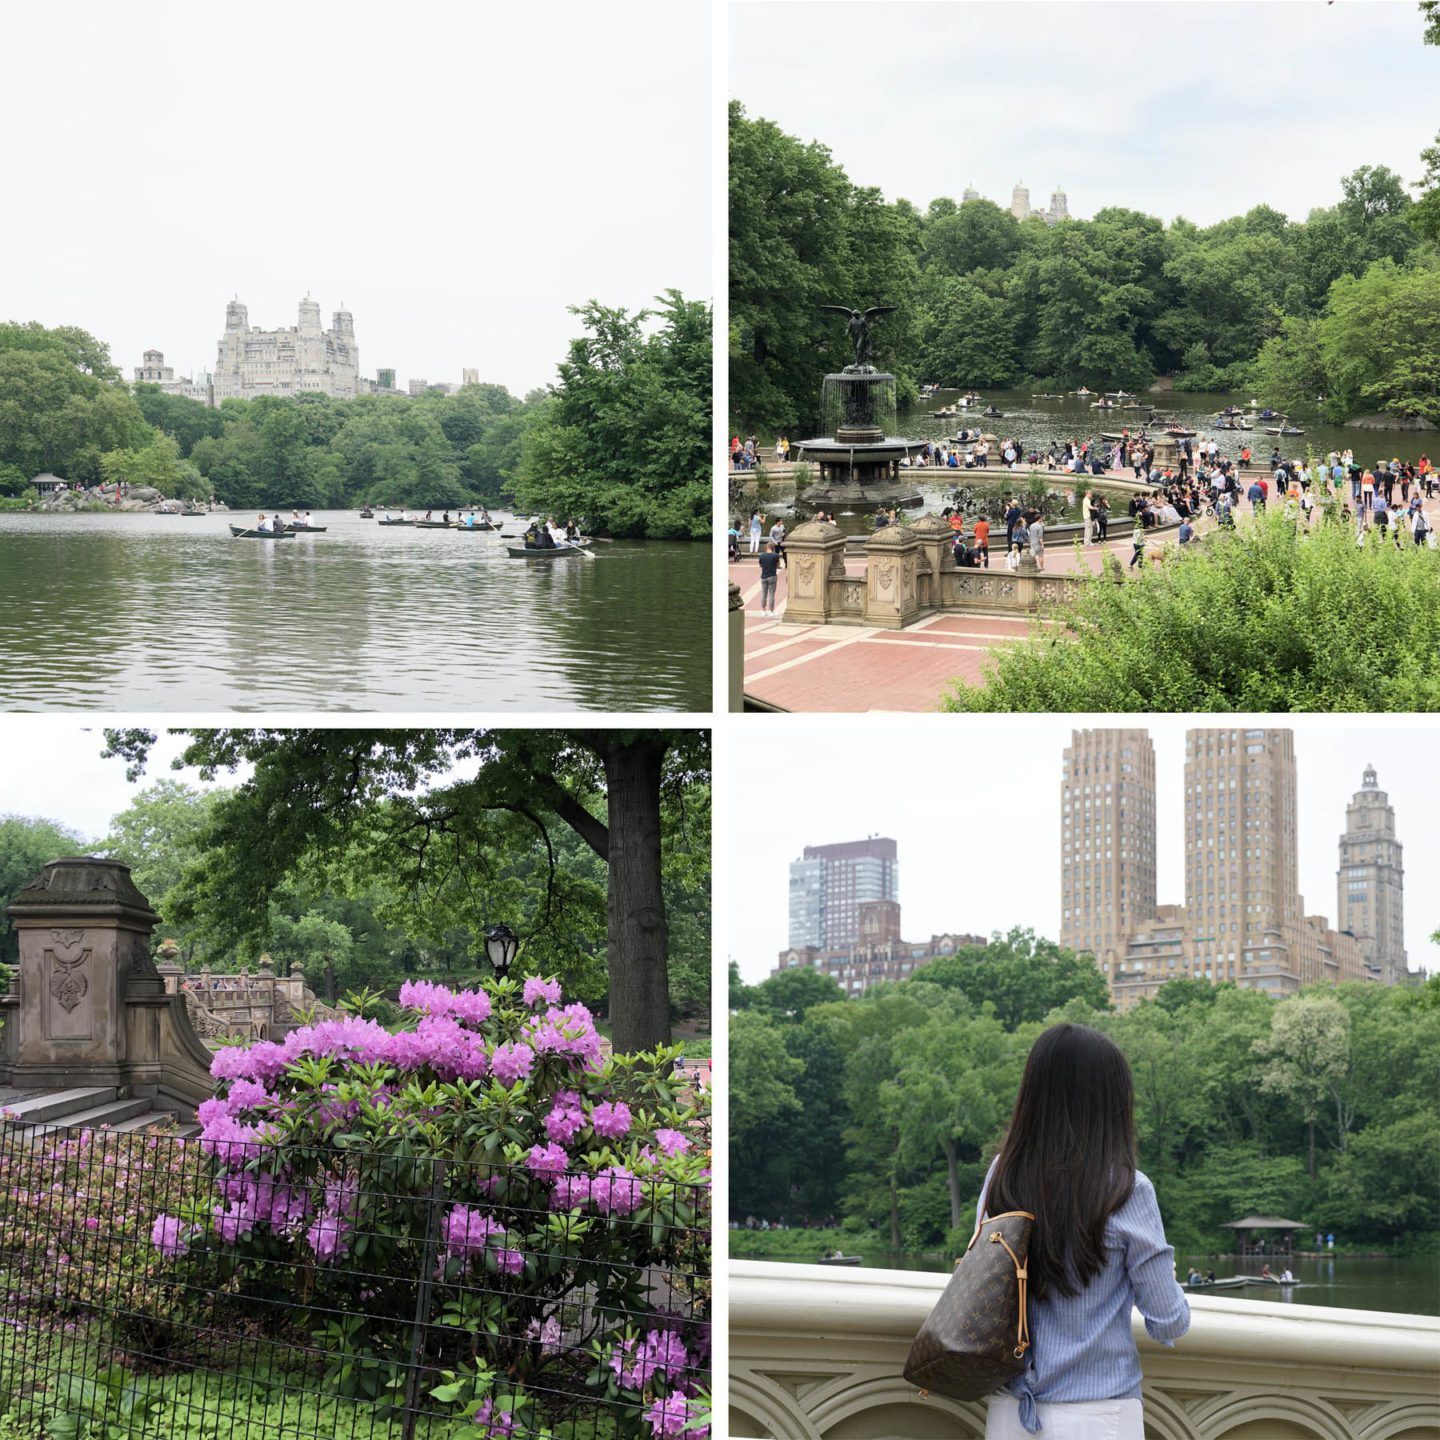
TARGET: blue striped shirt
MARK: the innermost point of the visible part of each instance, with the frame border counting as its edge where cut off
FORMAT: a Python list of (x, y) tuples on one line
[(1081, 1346)]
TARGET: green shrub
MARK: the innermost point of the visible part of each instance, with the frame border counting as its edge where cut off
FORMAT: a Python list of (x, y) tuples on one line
[(1261, 619)]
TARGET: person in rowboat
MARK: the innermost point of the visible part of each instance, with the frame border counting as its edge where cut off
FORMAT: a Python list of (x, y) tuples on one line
[(263, 524)]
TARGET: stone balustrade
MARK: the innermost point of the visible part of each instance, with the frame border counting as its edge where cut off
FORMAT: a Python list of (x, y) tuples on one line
[(910, 573), (816, 1354)]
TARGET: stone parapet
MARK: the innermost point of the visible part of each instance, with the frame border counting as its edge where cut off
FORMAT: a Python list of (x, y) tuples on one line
[(814, 557), (816, 1354)]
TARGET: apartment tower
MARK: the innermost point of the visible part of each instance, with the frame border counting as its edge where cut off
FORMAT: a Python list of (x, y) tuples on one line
[(829, 883), (1370, 883), (1107, 840)]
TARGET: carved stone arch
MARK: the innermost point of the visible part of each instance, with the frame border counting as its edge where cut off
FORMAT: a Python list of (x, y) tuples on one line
[(760, 1406), (1413, 1421), (1242, 1407), (876, 1406), (1166, 1417)]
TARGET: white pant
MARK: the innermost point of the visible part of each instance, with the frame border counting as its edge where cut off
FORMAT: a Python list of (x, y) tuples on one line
[(1071, 1420)]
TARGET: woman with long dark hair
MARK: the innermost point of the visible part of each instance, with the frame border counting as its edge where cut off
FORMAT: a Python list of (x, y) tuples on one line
[(1098, 1245)]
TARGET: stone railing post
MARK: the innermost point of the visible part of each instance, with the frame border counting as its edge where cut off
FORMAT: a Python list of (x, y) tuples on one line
[(891, 595), (814, 555), (84, 933), (936, 538)]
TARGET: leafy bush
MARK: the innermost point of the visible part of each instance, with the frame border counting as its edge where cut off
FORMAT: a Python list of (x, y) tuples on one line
[(1262, 618), (483, 1199)]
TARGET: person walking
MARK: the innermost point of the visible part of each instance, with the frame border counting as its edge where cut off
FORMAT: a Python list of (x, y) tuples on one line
[(756, 521), (1137, 541), (1097, 1250), (1037, 541)]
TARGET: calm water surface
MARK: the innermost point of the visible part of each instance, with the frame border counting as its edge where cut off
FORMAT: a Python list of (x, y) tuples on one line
[(156, 612), (1410, 1287)]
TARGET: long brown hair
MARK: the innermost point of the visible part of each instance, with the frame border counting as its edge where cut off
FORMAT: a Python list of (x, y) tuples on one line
[(1069, 1154)]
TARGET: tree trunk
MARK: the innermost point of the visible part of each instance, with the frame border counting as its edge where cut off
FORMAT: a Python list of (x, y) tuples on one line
[(636, 933), (952, 1176)]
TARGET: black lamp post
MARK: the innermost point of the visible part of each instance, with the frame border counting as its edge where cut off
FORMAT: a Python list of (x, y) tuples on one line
[(501, 943)]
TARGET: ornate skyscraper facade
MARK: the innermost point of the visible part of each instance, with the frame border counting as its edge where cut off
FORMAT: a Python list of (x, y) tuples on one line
[(1370, 883), (1243, 918), (1107, 840), (300, 360)]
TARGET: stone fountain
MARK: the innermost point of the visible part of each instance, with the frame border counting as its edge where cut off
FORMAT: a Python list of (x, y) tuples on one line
[(859, 458)]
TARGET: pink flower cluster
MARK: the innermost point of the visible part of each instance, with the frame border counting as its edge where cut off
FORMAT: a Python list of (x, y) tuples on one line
[(611, 1119), (167, 1235), (662, 1352), (468, 1232), (537, 990), (499, 1424), (567, 1031), (613, 1191), (672, 1415), (566, 1118)]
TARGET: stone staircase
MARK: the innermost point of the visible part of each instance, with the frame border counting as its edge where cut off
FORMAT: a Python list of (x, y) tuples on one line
[(91, 1107)]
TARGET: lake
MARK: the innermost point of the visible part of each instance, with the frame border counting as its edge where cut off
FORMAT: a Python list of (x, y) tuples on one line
[(157, 612), (1410, 1287)]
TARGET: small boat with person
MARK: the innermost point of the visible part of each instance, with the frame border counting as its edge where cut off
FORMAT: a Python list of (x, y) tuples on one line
[(1284, 430), (367, 513), (246, 532)]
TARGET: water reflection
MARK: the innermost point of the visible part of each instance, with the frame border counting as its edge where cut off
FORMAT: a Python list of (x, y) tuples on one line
[(148, 612)]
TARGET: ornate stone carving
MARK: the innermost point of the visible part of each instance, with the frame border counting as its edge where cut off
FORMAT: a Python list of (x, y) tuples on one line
[(885, 575), (67, 953), (737, 598), (852, 596), (805, 570), (1007, 588)]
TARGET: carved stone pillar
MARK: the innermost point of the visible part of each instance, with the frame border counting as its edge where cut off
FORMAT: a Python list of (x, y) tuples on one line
[(814, 556), (936, 538), (735, 695), (891, 594), (84, 933)]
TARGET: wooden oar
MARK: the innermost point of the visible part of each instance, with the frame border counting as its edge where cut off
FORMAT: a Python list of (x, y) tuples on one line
[(573, 546)]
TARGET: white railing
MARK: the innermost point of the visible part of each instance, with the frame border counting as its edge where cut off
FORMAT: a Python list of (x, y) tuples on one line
[(816, 1352)]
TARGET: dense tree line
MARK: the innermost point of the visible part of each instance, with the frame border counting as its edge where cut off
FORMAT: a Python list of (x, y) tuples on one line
[(885, 1110), (382, 886), (620, 441), (1344, 304)]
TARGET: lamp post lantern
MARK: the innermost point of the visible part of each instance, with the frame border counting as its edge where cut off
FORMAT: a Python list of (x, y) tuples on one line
[(501, 943)]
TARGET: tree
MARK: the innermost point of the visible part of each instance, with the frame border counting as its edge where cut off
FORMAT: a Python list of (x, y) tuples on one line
[(160, 835), (788, 995), (27, 845), (623, 441), (313, 793), (761, 1097), (1307, 1055), (1022, 977)]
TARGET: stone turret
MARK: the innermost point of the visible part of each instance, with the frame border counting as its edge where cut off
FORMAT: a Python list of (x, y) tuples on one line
[(237, 316), (309, 316)]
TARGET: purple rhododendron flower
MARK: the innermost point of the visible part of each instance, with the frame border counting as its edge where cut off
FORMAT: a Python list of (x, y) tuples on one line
[(537, 990), (547, 1334), (467, 1231), (166, 1235), (611, 1119), (234, 1220), (472, 1006), (500, 1424), (509, 1262), (571, 1191), (568, 1031), (328, 1237), (672, 1142), (511, 1063), (548, 1161), (615, 1191), (426, 997), (566, 1119), (672, 1416), (247, 1095)]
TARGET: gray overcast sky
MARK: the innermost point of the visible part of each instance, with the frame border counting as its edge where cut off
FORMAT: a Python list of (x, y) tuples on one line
[(1194, 109), (456, 174), (975, 811)]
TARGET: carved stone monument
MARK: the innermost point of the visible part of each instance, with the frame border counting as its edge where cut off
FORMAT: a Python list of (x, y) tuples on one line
[(88, 1006)]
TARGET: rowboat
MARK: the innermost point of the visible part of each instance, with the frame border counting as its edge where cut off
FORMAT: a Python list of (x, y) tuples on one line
[(519, 552), (241, 532), (840, 1260), (482, 525), (1284, 430), (367, 514), (395, 522), (434, 524), (303, 529)]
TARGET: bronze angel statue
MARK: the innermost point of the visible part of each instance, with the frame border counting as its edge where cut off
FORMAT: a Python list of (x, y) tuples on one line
[(859, 327)]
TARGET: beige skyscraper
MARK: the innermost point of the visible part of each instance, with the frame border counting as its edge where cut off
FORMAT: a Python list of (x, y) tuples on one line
[(1107, 840), (1370, 883)]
